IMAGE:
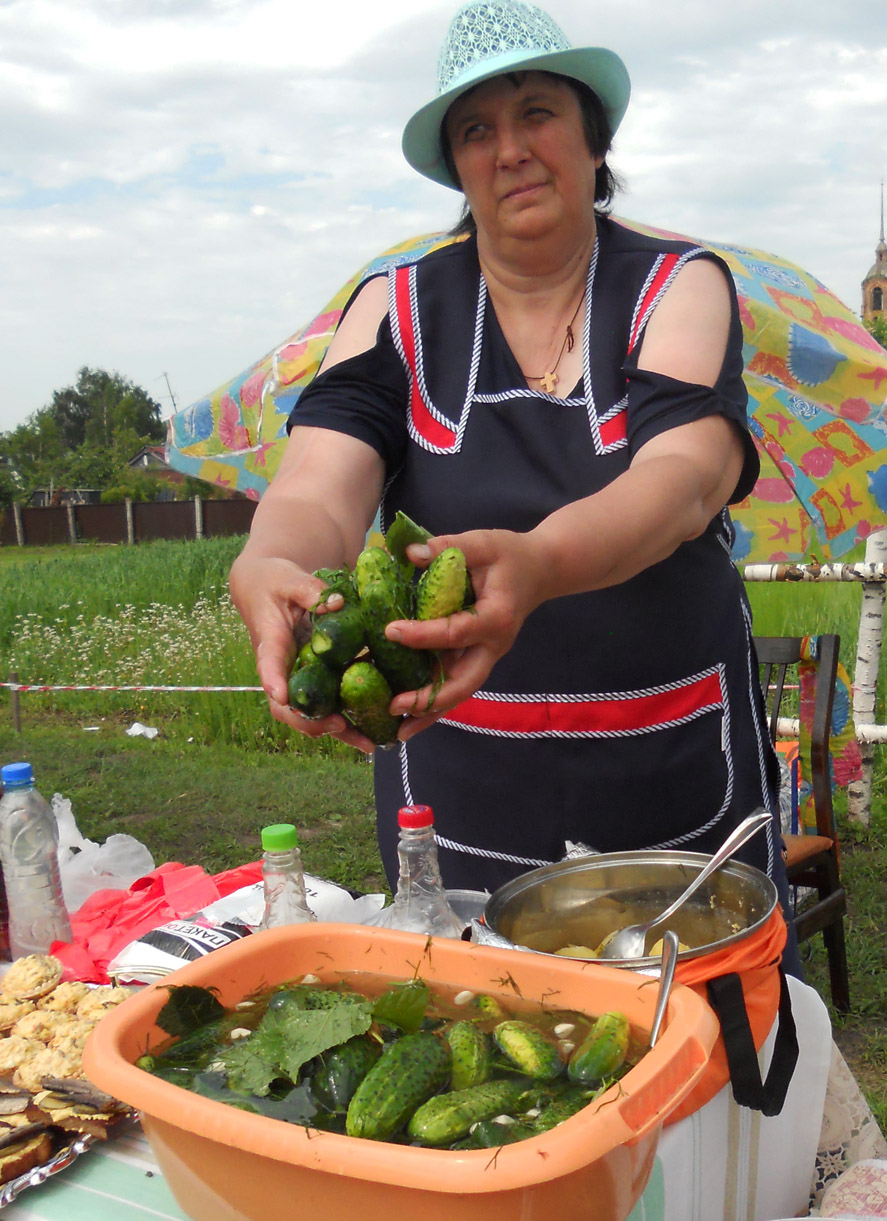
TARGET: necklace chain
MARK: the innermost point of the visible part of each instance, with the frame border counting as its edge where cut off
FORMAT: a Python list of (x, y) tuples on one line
[(549, 379)]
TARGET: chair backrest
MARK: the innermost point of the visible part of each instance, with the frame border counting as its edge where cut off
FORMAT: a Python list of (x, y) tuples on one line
[(779, 657)]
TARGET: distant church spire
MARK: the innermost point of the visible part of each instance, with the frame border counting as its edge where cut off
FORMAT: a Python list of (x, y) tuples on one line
[(874, 286)]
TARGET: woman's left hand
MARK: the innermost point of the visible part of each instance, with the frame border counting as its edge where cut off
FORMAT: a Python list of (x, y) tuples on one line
[(507, 575)]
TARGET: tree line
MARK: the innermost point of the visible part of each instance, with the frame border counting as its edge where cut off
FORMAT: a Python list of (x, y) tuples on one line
[(85, 438), (88, 433)]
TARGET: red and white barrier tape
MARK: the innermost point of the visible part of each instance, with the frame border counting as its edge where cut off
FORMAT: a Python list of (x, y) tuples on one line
[(109, 687)]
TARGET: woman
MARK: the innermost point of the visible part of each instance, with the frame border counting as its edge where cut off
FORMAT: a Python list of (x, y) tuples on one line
[(561, 398)]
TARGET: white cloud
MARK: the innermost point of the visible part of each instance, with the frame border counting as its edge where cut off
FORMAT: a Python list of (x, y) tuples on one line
[(184, 183)]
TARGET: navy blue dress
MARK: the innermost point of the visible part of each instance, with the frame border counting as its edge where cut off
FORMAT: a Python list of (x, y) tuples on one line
[(626, 718)]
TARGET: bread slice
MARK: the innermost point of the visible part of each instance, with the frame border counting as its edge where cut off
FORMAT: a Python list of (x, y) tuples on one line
[(24, 1155)]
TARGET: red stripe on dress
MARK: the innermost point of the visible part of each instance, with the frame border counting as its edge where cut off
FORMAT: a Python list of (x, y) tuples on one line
[(613, 430), (659, 280), (425, 424), (632, 714)]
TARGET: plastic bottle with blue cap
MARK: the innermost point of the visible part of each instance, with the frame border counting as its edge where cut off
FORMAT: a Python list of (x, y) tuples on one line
[(29, 841)]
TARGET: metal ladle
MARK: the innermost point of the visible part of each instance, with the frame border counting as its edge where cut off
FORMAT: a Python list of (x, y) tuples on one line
[(629, 942), (670, 945)]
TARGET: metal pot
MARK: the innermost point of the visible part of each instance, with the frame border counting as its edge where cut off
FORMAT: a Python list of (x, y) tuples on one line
[(579, 901)]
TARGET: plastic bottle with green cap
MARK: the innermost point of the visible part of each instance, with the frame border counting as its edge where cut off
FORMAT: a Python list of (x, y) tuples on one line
[(283, 878)]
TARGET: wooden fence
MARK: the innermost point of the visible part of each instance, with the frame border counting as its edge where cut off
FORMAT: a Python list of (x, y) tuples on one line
[(127, 521)]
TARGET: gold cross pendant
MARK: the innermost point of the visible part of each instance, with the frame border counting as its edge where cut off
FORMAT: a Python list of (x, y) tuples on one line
[(549, 381)]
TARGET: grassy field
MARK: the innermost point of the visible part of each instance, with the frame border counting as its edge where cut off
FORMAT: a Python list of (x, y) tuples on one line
[(221, 769)]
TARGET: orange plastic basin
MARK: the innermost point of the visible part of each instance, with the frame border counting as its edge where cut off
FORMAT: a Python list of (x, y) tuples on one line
[(223, 1163)]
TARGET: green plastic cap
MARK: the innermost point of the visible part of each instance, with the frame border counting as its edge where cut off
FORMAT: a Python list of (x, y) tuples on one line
[(279, 837)]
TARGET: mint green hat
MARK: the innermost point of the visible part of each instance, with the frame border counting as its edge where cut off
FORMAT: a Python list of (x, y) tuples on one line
[(487, 38)]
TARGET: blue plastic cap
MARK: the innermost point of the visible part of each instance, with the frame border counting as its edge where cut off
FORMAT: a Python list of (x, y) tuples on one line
[(16, 775)]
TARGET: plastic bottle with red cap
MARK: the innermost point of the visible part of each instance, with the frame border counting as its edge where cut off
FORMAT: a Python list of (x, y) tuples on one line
[(420, 903)]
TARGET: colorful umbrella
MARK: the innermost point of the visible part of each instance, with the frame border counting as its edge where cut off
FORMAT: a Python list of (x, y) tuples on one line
[(817, 408)]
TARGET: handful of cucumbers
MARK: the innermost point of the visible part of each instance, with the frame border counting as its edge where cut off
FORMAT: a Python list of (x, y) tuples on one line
[(348, 665)]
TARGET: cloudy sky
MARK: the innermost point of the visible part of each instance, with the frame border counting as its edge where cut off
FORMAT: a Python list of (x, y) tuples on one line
[(185, 183)]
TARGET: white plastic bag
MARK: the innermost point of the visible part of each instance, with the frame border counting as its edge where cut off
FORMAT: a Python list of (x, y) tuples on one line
[(86, 866), (162, 950)]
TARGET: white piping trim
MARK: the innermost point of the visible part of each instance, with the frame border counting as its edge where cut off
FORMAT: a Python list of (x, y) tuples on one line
[(488, 854)]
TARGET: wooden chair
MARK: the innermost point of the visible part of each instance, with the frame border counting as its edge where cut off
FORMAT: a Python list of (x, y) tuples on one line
[(812, 860)]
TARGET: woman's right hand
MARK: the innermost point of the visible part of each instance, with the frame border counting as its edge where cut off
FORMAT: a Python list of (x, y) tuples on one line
[(273, 596)]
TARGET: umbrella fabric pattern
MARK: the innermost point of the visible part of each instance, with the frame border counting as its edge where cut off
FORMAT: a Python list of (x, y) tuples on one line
[(816, 379), (234, 437)]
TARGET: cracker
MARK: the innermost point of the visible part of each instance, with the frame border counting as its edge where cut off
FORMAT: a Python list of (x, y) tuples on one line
[(72, 1038), (42, 1025), (65, 997), (15, 1050), (46, 1063), (11, 1011), (100, 1001), (30, 977)]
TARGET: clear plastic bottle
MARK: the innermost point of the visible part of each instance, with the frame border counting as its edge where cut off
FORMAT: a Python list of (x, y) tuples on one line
[(285, 899), (420, 904), (29, 840)]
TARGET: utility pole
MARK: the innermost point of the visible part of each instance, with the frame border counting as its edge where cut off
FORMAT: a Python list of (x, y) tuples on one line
[(171, 395)]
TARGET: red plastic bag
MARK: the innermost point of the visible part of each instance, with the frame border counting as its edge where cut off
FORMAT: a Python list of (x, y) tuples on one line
[(110, 919)]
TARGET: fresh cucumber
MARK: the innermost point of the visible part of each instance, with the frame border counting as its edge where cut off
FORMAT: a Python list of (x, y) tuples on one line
[(442, 586), (603, 1050), (472, 1058), (341, 1070), (375, 566), (492, 1133), (558, 1109), (338, 636), (405, 669), (528, 1049), (364, 696), (448, 1117), (490, 1007), (409, 1071), (314, 690)]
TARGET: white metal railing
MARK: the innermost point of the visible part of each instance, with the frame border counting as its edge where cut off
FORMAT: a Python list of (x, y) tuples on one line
[(871, 574)]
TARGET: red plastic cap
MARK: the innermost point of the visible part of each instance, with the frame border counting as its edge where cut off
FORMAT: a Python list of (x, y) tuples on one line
[(415, 816)]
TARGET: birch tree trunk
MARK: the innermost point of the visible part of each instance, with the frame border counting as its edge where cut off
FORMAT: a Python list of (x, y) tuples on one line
[(865, 682)]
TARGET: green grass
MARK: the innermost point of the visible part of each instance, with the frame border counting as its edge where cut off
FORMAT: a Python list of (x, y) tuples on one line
[(154, 615), (862, 1034), (60, 583), (207, 807)]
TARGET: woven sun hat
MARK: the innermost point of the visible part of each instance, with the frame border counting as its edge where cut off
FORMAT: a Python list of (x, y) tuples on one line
[(487, 38)]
